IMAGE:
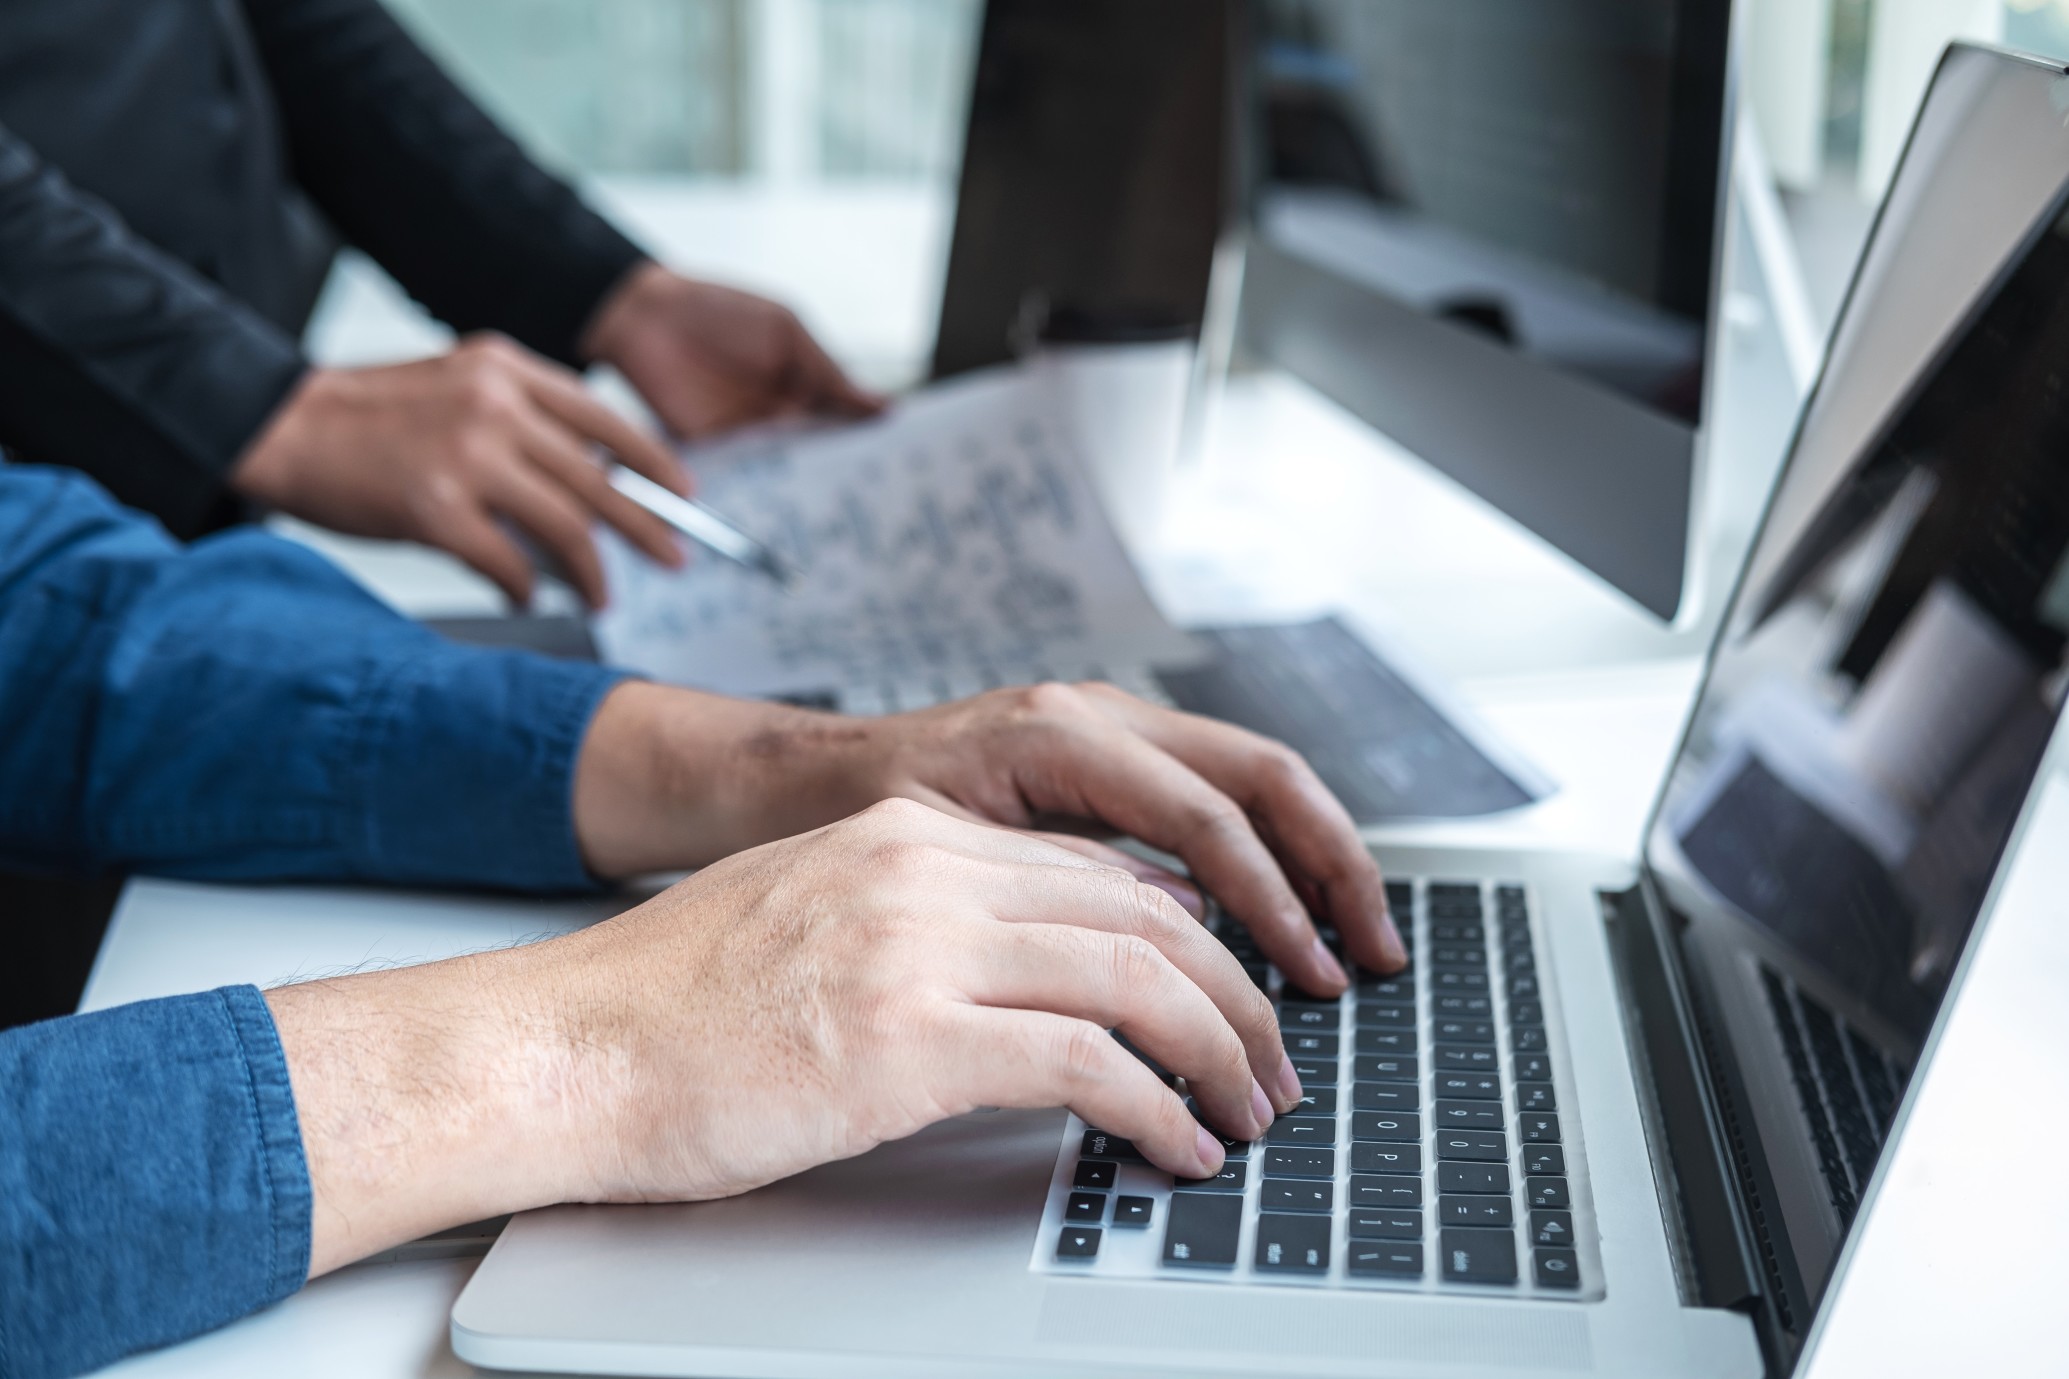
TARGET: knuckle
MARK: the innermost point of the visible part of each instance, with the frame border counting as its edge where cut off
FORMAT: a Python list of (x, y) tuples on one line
[(1082, 1057), (1281, 766), (896, 814), (1134, 965), (1050, 699), (1216, 817), (1153, 914)]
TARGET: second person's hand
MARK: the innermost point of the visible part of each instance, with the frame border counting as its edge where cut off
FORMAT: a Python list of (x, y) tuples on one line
[(447, 451)]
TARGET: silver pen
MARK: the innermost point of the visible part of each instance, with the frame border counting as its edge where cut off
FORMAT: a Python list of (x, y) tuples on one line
[(702, 525)]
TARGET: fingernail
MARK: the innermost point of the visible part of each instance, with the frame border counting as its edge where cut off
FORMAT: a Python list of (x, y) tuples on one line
[(1210, 1153), (1185, 895), (1330, 967), (1397, 951), (1290, 1089), (1261, 1106)]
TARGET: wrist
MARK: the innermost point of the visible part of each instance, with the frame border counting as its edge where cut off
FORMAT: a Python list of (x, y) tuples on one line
[(624, 311), (265, 471), (671, 779), (432, 1096)]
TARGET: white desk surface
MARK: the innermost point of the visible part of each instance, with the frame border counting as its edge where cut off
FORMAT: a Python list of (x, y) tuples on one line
[(1294, 508)]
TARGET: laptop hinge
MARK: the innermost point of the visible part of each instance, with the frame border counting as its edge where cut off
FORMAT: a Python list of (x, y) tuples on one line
[(1691, 1162)]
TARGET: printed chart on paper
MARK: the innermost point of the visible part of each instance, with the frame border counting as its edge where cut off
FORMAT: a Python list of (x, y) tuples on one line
[(954, 540)]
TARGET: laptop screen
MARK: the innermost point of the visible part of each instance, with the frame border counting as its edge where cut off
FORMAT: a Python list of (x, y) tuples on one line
[(1891, 670)]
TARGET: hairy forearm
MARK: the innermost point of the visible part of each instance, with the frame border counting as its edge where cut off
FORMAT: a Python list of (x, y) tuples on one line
[(671, 779), (432, 1096)]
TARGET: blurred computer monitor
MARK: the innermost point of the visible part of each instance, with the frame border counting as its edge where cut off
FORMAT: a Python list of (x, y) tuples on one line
[(1098, 174), (1489, 228)]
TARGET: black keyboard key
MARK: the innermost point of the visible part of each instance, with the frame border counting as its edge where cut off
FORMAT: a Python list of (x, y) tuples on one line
[(1085, 1206), (1383, 1067), (1469, 1177), (1463, 1031), (1386, 1042), (1458, 981), (1466, 1060), (1281, 1161), (1306, 1130), (1520, 962), (1527, 1038), (1385, 1225), (1547, 1193), (1293, 1244), (1551, 1228), (1522, 986), (1401, 900), (1231, 1179), (1478, 1256), (1232, 1148), (1393, 1127), (1538, 1127), (1458, 931), (1509, 893), (1470, 956), (1385, 1096), (1468, 1086), (1557, 1268), (1201, 1229), (1296, 1194), (1469, 1115), (1465, 1006), (1475, 1211), (1094, 1176), (1301, 1015), (1397, 989), (1481, 1146), (1534, 1067), (1133, 1211), (1527, 1013), (1259, 974), (1454, 891), (1535, 1096), (1308, 1045), (1100, 1145), (1320, 1071), (1315, 1101), (1544, 1158), (1374, 1015), (1369, 1259), (1374, 1191), (1078, 1242), (1375, 1157)]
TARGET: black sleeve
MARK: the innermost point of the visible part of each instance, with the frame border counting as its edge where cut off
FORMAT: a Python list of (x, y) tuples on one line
[(119, 360), (411, 171)]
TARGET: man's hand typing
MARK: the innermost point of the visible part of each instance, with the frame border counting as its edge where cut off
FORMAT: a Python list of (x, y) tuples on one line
[(671, 778), (801, 1002)]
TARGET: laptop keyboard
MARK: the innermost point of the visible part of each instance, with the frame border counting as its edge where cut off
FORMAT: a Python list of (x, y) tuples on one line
[(1431, 1152), (1847, 1087)]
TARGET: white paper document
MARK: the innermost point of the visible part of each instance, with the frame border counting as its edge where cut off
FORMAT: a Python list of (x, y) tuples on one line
[(951, 544)]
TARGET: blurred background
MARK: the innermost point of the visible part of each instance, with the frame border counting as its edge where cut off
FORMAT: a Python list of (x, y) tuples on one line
[(858, 105)]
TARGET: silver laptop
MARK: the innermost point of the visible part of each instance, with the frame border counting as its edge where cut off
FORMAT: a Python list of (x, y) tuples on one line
[(1620, 1114)]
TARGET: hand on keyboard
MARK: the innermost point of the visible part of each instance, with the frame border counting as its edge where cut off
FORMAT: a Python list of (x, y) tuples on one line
[(1253, 823), (810, 999)]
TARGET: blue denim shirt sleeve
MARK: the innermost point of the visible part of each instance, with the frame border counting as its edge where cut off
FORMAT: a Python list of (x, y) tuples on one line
[(152, 1184), (240, 709)]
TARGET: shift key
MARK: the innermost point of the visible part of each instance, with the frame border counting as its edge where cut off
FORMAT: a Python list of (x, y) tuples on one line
[(1201, 1229)]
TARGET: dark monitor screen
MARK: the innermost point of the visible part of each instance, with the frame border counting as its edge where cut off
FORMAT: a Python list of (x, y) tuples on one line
[(1487, 227), (1891, 671), (1543, 172)]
